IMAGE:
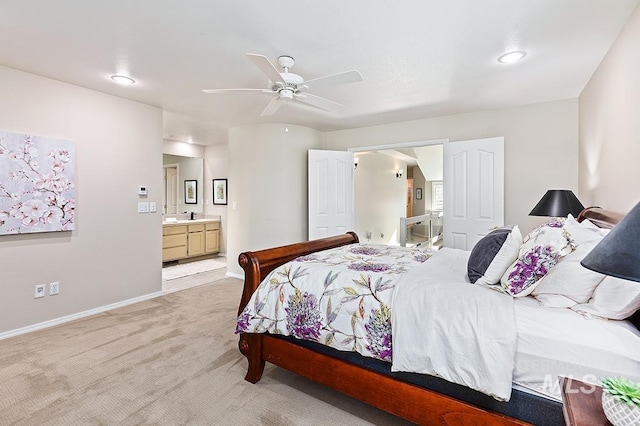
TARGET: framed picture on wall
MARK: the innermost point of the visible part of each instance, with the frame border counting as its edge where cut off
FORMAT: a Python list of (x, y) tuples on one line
[(220, 191), (191, 192), (418, 193)]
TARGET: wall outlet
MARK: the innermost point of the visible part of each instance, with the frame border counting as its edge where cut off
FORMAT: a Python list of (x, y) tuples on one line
[(40, 291), (54, 288)]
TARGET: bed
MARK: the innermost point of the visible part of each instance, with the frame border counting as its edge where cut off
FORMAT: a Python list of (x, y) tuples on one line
[(424, 398)]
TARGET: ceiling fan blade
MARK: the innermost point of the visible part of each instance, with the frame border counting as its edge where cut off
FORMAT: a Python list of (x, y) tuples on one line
[(266, 67), (272, 107), (319, 102), (236, 90), (335, 79)]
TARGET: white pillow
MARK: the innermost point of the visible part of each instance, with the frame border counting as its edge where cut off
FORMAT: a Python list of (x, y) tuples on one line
[(580, 231), (590, 225), (569, 279), (507, 254), (613, 298)]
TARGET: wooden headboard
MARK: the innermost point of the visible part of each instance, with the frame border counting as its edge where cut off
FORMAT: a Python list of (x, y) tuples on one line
[(606, 219), (603, 218)]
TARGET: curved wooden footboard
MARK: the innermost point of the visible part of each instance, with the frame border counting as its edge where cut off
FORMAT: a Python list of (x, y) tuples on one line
[(257, 265)]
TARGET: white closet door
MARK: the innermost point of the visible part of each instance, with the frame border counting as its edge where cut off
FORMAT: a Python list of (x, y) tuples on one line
[(473, 190), (330, 193)]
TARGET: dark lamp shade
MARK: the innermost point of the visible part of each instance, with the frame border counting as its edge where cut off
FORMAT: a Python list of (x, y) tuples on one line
[(618, 254), (558, 203)]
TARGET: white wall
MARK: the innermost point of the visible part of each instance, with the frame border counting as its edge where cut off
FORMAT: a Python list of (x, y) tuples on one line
[(379, 197), (268, 184), (541, 147), (183, 149), (216, 166), (610, 126), (114, 254), (431, 161)]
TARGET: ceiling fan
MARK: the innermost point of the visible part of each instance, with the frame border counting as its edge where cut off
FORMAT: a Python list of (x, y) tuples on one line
[(289, 86)]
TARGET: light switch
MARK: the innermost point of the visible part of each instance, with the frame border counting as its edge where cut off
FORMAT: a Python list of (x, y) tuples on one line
[(152, 207), (143, 207)]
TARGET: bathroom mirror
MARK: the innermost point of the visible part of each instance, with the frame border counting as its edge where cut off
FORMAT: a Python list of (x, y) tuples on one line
[(176, 170)]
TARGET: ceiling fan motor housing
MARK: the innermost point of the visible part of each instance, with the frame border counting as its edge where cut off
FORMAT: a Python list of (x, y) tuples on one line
[(292, 81)]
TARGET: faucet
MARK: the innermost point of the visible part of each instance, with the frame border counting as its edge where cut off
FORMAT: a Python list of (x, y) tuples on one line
[(193, 215)]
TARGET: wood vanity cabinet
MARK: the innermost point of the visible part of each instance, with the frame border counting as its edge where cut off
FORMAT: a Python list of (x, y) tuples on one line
[(181, 241), (195, 239), (174, 242), (212, 237)]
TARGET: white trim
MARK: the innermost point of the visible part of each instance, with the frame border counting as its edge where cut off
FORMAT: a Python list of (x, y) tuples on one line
[(67, 318), (399, 145), (234, 275)]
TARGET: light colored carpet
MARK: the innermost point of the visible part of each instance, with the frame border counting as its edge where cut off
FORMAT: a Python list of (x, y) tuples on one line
[(172, 360), (192, 268)]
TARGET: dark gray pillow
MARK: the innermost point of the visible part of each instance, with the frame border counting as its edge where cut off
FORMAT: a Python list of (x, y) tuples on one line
[(485, 251)]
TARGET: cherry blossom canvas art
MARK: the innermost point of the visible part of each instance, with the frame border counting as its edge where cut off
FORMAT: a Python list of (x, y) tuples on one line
[(37, 190)]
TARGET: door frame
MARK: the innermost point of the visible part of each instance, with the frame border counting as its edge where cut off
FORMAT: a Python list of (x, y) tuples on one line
[(164, 190), (411, 144), (414, 144)]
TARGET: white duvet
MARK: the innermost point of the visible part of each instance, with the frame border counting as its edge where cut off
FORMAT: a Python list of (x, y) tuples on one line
[(469, 334)]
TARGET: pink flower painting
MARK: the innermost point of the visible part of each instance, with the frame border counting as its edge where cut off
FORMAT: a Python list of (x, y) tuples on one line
[(37, 191)]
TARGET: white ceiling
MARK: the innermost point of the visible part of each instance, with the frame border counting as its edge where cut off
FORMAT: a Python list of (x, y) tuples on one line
[(418, 58)]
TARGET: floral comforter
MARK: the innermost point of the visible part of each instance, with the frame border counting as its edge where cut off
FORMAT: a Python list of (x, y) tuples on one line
[(411, 307), (340, 297)]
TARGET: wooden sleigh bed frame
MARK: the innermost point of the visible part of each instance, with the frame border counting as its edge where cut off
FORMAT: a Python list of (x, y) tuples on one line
[(402, 398)]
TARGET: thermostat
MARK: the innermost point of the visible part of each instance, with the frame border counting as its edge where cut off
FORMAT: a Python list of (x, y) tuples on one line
[(142, 190)]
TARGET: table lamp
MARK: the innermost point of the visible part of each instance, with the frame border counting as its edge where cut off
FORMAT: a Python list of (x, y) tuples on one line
[(558, 203)]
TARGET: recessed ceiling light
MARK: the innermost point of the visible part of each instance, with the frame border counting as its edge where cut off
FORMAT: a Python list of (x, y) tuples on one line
[(511, 57), (123, 79)]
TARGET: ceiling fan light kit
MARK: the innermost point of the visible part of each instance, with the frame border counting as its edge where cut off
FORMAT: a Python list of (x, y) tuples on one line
[(289, 86)]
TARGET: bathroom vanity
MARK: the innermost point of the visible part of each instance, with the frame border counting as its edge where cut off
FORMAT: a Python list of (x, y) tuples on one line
[(184, 239)]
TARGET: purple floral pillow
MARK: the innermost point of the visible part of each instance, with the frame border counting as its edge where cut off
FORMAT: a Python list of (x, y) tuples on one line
[(540, 251)]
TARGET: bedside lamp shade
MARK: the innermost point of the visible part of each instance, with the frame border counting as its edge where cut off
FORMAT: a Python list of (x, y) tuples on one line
[(558, 203), (618, 254)]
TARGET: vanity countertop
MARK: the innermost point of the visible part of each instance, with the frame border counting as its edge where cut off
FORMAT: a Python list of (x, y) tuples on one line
[(188, 221)]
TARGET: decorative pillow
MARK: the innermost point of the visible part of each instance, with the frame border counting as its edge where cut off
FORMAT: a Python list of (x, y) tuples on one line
[(540, 251), (614, 298), (493, 254), (583, 231), (569, 279)]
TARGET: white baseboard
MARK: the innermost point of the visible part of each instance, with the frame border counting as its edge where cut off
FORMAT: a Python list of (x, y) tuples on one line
[(234, 275), (67, 318)]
